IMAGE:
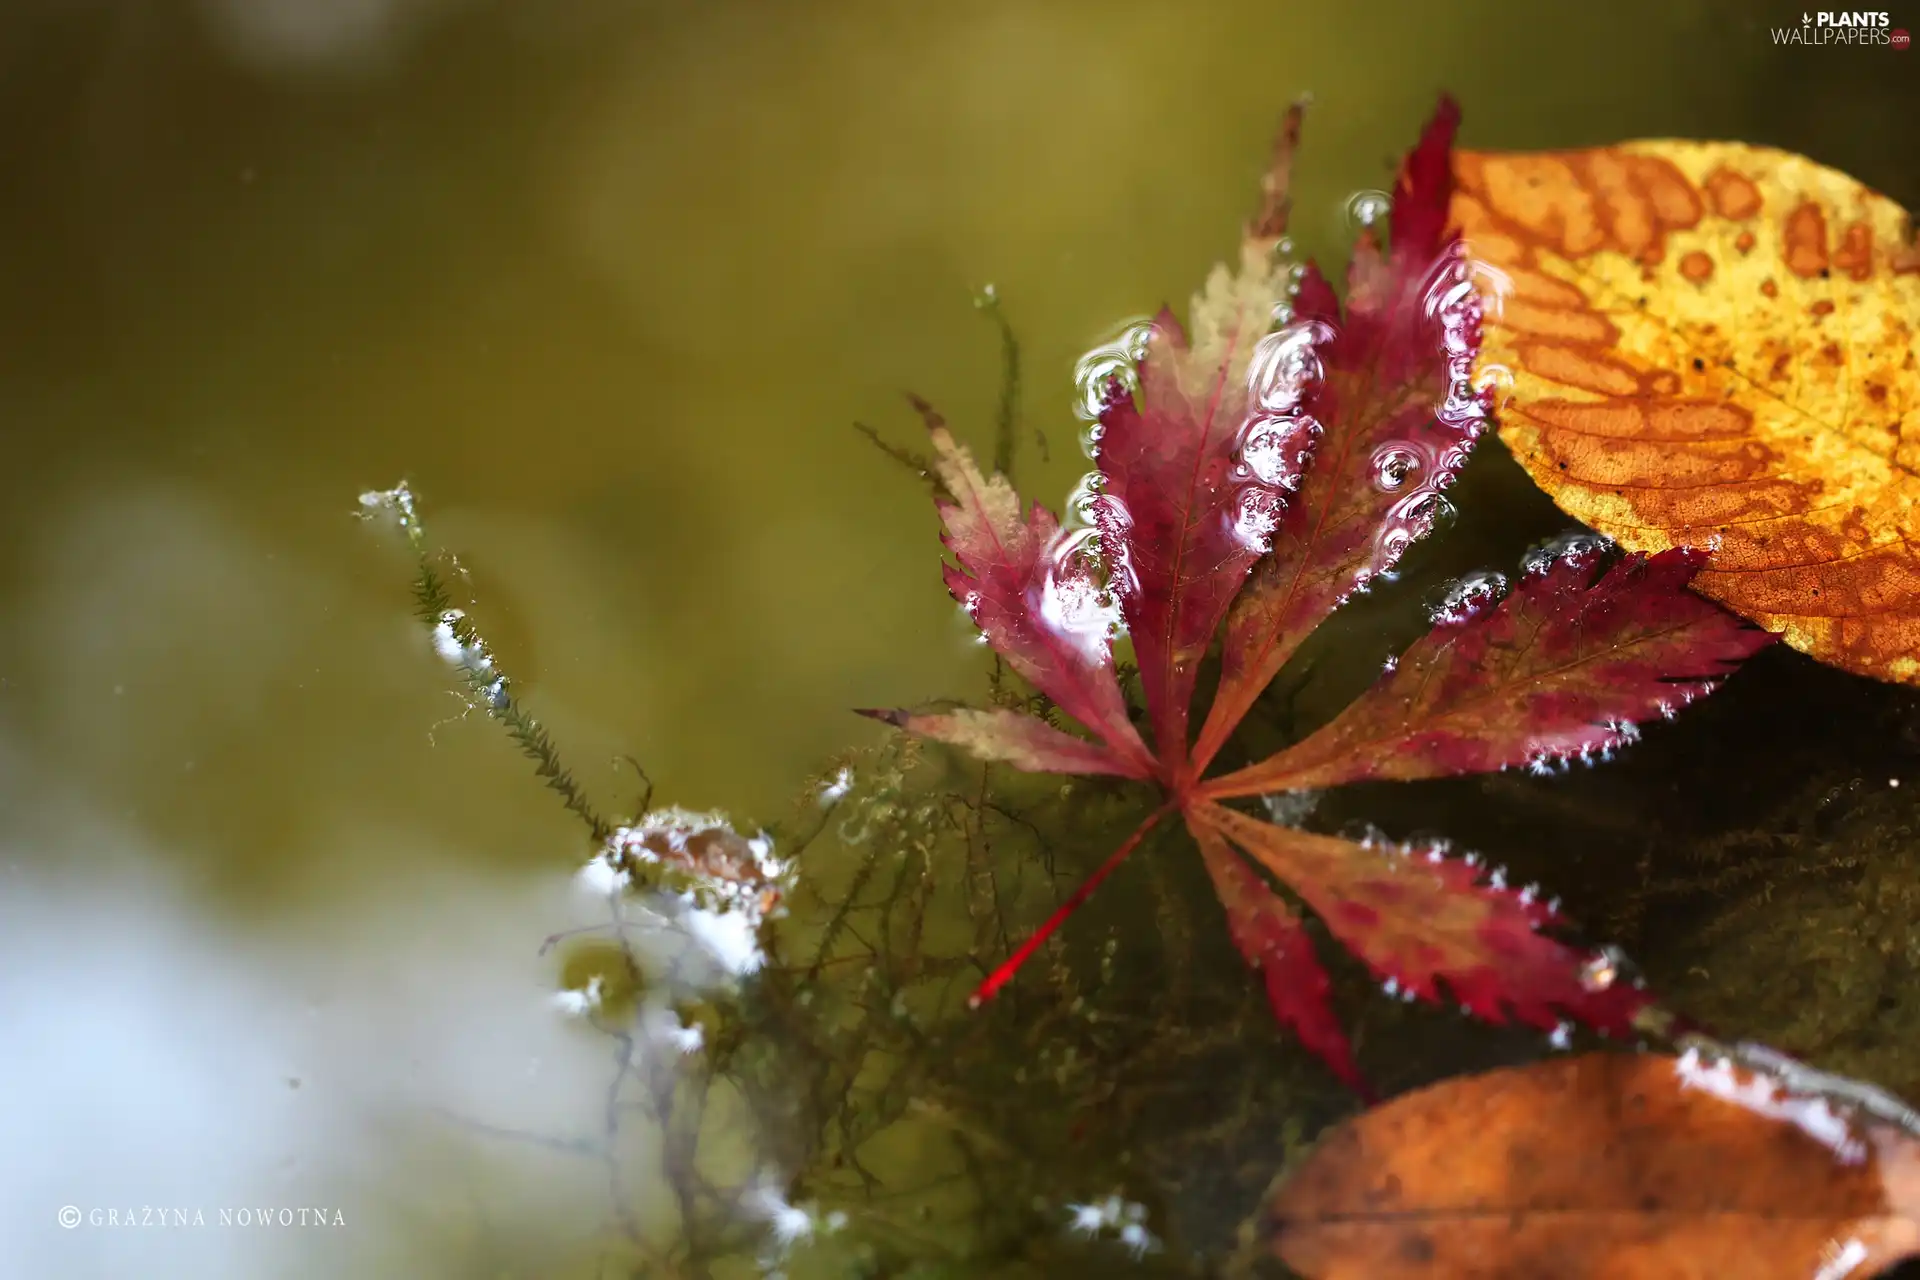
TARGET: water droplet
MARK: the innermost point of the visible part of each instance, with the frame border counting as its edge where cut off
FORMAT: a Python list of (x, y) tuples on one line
[(1463, 601), (1364, 208)]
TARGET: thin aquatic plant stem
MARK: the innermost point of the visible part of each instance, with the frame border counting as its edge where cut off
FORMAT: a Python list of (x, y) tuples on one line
[(491, 689)]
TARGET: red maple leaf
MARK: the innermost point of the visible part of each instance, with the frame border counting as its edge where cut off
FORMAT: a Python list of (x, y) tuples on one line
[(1249, 482)]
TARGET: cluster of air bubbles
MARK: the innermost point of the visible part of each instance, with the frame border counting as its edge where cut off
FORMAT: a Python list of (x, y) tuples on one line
[(1366, 835), (1546, 762), (834, 791), (1414, 473), (1286, 368), (1096, 372), (469, 655), (1256, 518), (1396, 990), (687, 1038), (1090, 506), (1417, 472), (1126, 1220), (1453, 301), (1577, 549), (1289, 808), (1091, 548), (1076, 602), (717, 885), (579, 1002), (1495, 286), (461, 648), (1465, 599), (1493, 384), (1365, 208), (397, 500), (788, 1225), (1608, 967), (1275, 447), (1296, 276), (1621, 731), (1765, 1095)]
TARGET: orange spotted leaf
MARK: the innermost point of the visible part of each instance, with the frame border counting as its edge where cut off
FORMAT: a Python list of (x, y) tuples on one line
[(1714, 345), (1601, 1167)]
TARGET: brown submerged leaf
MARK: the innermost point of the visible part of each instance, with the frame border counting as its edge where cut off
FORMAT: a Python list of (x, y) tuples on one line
[(1713, 345), (1629, 1167)]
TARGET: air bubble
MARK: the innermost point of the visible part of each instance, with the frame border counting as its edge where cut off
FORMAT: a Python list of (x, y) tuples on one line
[(1075, 603), (1285, 368), (1113, 363), (1395, 466), (1087, 501), (1365, 208), (1493, 384), (1432, 511)]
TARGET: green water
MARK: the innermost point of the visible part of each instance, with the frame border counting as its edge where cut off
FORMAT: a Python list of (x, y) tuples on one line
[(609, 281)]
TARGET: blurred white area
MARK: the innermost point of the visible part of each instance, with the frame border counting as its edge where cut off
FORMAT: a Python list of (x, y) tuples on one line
[(236, 974), (162, 1058), (331, 36)]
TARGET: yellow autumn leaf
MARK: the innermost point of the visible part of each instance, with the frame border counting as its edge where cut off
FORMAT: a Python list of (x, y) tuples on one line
[(1713, 345)]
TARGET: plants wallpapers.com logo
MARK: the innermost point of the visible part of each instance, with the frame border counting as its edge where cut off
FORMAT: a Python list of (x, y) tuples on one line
[(1849, 28)]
